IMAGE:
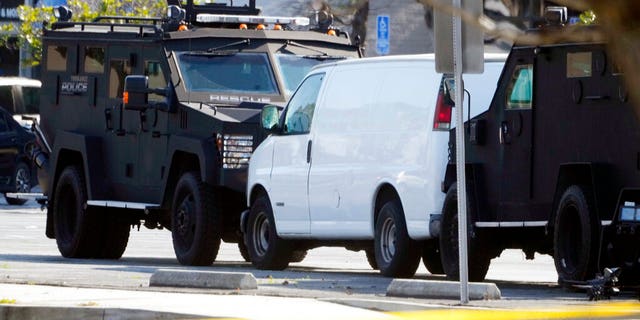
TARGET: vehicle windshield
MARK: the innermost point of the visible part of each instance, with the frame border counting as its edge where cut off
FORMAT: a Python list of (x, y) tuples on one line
[(236, 73), (294, 68)]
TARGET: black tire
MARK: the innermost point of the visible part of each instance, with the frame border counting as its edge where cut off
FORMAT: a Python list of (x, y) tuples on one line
[(431, 256), (298, 256), (75, 227), (244, 252), (371, 258), (397, 255), (22, 181), (575, 236), (114, 235), (478, 258), (195, 222), (267, 250)]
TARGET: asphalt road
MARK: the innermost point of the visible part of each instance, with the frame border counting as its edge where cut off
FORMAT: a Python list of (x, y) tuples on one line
[(27, 256)]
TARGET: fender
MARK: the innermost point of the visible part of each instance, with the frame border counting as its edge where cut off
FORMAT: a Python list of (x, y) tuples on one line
[(204, 149), (599, 176), (90, 150)]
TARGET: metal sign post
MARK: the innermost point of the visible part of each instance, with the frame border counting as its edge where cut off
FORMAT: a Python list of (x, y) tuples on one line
[(460, 156), (382, 40), (459, 49)]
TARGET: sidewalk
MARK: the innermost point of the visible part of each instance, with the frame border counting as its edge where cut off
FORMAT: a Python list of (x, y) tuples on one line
[(63, 303)]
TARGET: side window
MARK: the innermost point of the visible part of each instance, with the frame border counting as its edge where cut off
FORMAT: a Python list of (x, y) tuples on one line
[(6, 98), (579, 64), (31, 97), (153, 69), (301, 106), (56, 58), (520, 90), (118, 70), (93, 60)]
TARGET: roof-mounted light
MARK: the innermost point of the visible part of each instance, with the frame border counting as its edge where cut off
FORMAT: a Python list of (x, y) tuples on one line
[(224, 18), (63, 13), (175, 13)]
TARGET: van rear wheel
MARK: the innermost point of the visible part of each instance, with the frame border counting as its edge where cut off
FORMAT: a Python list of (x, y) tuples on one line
[(195, 222), (397, 255), (478, 258), (576, 236), (267, 250)]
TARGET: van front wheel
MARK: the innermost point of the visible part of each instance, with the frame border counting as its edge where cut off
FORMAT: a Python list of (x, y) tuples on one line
[(397, 255), (267, 250)]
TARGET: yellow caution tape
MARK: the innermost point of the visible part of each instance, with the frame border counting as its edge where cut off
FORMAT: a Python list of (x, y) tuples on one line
[(603, 310)]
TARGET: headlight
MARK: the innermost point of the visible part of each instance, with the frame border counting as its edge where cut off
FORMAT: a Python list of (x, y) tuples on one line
[(236, 151)]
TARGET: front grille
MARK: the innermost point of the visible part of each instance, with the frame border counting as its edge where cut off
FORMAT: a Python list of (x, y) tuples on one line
[(236, 151)]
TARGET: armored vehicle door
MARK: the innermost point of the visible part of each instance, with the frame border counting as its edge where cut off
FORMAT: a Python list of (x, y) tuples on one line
[(152, 153), (515, 134), (122, 142)]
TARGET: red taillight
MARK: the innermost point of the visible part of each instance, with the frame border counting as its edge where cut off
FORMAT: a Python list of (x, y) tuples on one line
[(442, 118)]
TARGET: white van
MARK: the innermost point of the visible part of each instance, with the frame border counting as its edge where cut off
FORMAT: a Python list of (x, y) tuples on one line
[(357, 160)]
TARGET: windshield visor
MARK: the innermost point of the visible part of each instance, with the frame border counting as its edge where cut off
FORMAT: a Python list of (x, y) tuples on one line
[(236, 73)]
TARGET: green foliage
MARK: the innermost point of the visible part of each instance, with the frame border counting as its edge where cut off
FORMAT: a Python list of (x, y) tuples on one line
[(29, 31), (588, 17)]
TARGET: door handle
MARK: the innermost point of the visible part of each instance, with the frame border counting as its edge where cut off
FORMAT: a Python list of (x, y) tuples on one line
[(503, 133), (309, 144)]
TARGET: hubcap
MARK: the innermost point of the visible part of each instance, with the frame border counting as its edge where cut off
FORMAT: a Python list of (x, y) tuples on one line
[(22, 181), (184, 217), (261, 229), (388, 242)]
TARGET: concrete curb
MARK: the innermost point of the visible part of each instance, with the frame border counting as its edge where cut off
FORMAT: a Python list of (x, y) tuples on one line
[(441, 289), (11, 312), (203, 279)]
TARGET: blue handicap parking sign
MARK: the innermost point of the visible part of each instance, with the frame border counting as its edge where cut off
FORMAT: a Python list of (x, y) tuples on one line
[(382, 42)]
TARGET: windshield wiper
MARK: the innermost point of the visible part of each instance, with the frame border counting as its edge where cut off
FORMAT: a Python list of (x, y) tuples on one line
[(323, 57), (216, 52), (300, 45), (232, 44)]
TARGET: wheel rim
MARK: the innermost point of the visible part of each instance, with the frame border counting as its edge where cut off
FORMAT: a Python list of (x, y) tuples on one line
[(261, 234), (185, 221), (23, 182), (572, 239), (388, 242)]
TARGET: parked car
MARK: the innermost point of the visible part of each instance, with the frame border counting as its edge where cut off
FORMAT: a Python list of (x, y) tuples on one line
[(20, 96), (356, 160), (17, 172)]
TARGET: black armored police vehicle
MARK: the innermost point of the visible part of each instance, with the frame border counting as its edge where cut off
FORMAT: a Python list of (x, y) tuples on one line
[(153, 121), (553, 166)]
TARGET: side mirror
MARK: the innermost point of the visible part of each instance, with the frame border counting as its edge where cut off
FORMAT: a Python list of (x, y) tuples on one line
[(136, 93), (270, 118), (450, 91)]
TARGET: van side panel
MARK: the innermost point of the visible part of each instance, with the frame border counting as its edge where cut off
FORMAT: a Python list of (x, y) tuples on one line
[(403, 118), (374, 127), (341, 179)]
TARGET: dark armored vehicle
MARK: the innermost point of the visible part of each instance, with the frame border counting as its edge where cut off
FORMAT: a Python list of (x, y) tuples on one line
[(553, 166), (154, 120)]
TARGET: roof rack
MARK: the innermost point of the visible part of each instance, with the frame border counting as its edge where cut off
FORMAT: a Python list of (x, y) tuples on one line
[(140, 28), (128, 20)]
